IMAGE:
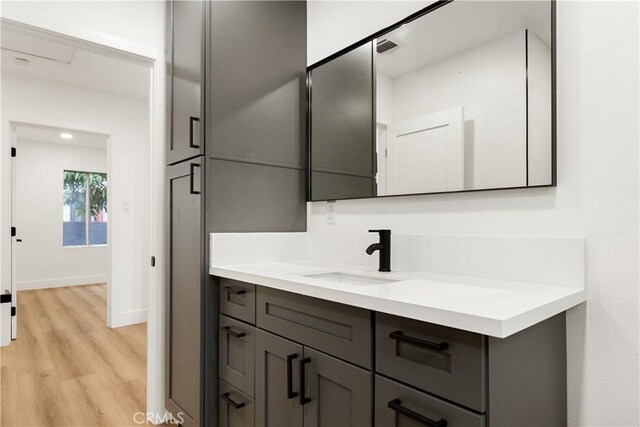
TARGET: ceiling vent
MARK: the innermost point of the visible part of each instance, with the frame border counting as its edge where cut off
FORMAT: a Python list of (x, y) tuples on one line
[(385, 46)]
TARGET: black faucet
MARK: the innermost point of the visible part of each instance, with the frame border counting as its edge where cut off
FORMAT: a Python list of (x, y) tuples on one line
[(384, 246)]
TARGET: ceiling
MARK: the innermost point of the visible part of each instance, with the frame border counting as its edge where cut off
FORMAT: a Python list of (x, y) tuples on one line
[(37, 55), (460, 26), (52, 135)]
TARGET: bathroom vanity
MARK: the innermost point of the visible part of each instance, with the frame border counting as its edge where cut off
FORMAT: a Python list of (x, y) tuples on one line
[(314, 342)]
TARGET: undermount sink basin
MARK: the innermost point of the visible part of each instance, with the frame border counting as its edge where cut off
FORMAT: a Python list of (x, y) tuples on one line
[(352, 279)]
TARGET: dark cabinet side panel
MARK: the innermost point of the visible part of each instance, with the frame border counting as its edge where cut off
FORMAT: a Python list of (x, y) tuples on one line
[(257, 91), (248, 197), (528, 376)]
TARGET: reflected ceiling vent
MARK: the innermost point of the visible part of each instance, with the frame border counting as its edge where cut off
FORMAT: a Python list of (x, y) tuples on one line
[(385, 46)]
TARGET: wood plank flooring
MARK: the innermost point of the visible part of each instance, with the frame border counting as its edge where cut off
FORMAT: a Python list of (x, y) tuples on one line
[(67, 368)]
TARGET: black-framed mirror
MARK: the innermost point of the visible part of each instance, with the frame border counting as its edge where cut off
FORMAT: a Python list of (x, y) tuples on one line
[(457, 97)]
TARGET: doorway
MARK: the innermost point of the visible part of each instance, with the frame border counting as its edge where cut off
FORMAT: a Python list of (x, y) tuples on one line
[(82, 89)]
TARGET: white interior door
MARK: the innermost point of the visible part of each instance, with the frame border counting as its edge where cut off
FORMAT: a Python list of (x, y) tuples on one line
[(426, 154)]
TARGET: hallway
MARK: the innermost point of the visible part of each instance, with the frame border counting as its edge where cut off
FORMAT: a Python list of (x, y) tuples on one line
[(67, 368)]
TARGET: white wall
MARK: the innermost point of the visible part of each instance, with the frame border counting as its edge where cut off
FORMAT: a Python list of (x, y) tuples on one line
[(126, 121), (596, 196), (132, 26), (489, 83), (42, 260)]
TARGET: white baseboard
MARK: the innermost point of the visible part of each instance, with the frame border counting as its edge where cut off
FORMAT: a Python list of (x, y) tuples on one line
[(61, 282), (126, 318)]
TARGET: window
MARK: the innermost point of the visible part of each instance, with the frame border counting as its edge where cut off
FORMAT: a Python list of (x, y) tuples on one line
[(84, 213)]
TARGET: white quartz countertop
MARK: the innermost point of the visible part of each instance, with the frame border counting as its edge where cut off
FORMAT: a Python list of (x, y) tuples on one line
[(497, 308)]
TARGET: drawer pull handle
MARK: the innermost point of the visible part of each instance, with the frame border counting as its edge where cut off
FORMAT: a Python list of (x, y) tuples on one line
[(233, 333), (437, 346), (303, 382), (290, 393), (396, 405), (235, 405), (230, 290)]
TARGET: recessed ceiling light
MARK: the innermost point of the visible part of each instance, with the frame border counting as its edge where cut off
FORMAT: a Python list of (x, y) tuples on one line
[(66, 135)]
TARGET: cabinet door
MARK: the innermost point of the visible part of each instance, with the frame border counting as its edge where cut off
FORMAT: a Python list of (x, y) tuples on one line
[(183, 298), (186, 82), (338, 393), (277, 380)]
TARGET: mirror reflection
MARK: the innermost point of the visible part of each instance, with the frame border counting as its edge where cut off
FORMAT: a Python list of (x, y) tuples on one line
[(458, 99)]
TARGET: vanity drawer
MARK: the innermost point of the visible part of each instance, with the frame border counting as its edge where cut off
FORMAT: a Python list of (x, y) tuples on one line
[(238, 299), (446, 362), (236, 409), (340, 330), (399, 405), (236, 354)]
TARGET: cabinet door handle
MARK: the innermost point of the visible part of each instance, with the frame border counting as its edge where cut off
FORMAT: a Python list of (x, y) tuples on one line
[(290, 393), (396, 405), (230, 290), (303, 382), (233, 333), (192, 167), (235, 405), (437, 346), (193, 120)]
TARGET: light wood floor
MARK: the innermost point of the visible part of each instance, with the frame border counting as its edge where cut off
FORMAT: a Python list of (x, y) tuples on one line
[(67, 368)]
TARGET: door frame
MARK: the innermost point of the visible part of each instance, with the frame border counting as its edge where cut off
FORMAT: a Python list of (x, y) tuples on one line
[(154, 59), (14, 239)]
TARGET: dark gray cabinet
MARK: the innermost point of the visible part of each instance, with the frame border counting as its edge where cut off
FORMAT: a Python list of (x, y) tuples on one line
[(314, 366), (183, 292), (277, 381), (236, 408), (398, 405), (299, 386), (339, 393), (448, 362), (337, 329), (186, 71), (236, 347), (238, 300), (343, 156), (236, 138)]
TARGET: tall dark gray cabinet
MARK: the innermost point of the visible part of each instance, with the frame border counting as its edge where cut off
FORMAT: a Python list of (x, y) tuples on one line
[(236, 163)]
